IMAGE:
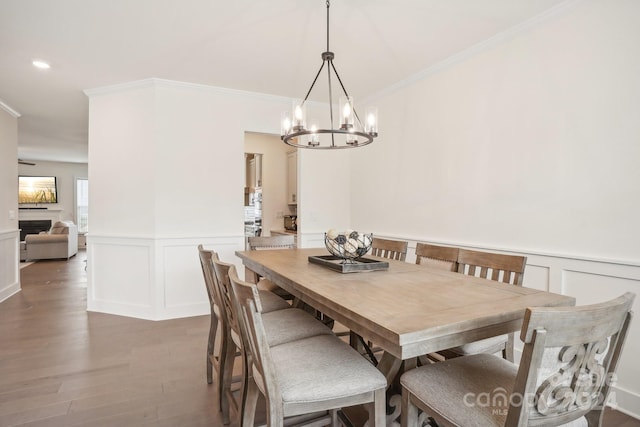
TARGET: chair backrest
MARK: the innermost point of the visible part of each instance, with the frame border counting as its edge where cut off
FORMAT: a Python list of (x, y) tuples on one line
[(391, 249), (568, 363), (255, 343), (221, 270), (443, 257), (206, 263), (498, 267), (272, 242)]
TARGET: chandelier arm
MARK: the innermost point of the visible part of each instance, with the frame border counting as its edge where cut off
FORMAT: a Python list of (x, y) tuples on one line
[(314, 83)]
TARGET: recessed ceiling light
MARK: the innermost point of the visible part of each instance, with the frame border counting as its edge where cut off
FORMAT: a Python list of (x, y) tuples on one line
[(41, 64)]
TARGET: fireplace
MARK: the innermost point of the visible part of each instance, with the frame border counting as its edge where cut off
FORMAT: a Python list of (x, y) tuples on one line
[(33, 227)]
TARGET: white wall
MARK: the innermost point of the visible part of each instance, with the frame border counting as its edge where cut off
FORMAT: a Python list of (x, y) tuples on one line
[(530, 146), (167, 174), (9, 235)]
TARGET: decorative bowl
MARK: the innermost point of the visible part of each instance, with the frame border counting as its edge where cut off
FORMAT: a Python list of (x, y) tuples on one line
[(348, 245)]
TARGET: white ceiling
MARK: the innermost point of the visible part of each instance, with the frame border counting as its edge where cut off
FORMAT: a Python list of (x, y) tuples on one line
[(271, 47)]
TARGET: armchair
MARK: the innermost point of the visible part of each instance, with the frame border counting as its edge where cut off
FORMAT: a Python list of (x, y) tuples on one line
[(59, 242)]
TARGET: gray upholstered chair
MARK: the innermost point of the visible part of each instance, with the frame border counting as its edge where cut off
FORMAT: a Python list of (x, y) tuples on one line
[(387, 248), (283, 324), (319, 374), (61, 241), (499, 267), (566, 371)]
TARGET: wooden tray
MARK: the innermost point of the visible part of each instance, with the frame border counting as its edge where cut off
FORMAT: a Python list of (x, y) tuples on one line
[(359, 265)]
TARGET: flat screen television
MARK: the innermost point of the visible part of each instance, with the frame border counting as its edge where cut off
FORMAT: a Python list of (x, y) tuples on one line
[(37, 190)]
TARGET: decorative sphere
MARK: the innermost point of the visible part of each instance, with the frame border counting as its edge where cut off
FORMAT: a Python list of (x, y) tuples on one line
[(348, 245)]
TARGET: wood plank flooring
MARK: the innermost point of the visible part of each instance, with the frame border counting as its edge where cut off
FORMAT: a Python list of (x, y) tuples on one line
[(63, 366)]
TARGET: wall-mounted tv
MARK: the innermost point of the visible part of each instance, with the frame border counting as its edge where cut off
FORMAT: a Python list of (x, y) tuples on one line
[(37, 189)]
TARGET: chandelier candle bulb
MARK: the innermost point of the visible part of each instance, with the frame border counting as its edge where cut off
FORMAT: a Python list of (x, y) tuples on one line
[(299, 117), (371, 122), (285, 123), (346, 113), (314, 138)]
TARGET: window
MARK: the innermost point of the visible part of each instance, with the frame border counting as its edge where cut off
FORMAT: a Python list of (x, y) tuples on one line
[(82, 204)]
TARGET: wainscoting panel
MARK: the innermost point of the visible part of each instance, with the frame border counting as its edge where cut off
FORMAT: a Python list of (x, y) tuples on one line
[(180, 274), (9, 264), (152, 279), (536, 277), (120, 276)]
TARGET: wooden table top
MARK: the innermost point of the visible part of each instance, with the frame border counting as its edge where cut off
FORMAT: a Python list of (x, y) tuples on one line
[(408, 310)]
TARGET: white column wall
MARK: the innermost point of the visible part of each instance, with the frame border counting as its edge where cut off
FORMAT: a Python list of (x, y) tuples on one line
[(9, 235), (167, 173), (528, 146)]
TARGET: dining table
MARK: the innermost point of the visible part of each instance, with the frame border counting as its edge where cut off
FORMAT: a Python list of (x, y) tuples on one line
[(408, 310)]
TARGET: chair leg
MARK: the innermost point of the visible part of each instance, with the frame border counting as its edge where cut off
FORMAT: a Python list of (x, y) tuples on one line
[(335, 422), (211, 347), (227, 379), (378, 409), (250, 404), (409, 415), (508, 351)]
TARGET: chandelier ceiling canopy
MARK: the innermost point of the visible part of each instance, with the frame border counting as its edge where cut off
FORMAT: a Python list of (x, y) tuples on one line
[(299, 132)]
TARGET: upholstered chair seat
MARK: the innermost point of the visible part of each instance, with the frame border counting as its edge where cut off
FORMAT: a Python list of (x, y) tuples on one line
[(321, 368), (564, 377)]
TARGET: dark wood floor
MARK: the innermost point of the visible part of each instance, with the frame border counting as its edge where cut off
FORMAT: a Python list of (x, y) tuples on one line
[(63, 366)]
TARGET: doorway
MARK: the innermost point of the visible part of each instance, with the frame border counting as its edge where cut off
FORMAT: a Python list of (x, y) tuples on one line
[(271, 174)]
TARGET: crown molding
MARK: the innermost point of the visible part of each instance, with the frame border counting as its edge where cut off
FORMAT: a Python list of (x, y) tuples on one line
[(172, 84), (9, 110), (477, 48)]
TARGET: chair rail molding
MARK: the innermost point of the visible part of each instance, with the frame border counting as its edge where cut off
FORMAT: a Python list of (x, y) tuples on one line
[(9, 263)]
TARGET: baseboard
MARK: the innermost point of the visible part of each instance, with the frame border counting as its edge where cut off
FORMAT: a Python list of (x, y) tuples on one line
[(147, 312), (9, 291), (625, 401)]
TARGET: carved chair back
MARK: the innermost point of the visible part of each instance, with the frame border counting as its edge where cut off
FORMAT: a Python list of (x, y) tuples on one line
[(391, 249), (568, 363), (498, 267), (249, 308), (442, 257), (209, 276), (221, 270)]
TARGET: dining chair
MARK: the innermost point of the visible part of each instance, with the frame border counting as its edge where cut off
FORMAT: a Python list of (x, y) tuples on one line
[(499, 267), (218, 341), (442, 257), (319, 374), (566, 372), (213, 346), (257, 243), (391, 249), (282, 325)]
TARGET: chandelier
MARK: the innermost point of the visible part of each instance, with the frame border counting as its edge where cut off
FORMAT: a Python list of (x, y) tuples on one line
[(297, 132)]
